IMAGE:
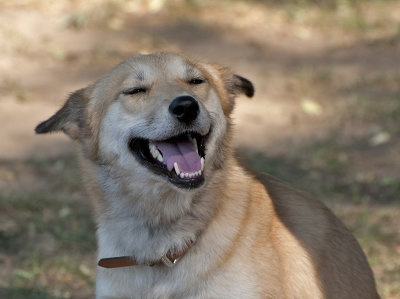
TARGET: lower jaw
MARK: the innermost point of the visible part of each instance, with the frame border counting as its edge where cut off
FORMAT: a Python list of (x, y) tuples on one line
[(187, 184), (171, 177)]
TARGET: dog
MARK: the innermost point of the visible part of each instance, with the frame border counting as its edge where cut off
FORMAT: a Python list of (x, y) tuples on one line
[(177, 216)]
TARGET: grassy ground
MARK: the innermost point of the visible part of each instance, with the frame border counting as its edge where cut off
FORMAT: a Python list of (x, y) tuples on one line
[(47, 235), (325, 117)]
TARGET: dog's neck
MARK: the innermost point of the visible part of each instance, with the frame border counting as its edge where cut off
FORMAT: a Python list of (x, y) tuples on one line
[(147, 224), (169, 259)]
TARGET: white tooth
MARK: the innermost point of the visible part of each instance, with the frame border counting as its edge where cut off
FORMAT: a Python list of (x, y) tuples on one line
[(182, 175), (202, 163), (186, 175), (194, 144), (177, 168), (192, 175), (153, 150)]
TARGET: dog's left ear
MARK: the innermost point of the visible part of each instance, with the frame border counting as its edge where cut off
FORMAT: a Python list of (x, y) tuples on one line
[(234, 85), (242, 85)]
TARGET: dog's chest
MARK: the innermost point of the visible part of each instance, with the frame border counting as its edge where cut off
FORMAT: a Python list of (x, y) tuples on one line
[(179, 282)]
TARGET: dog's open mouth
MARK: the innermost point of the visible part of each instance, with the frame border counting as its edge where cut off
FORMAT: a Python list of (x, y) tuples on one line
[(179, 158)]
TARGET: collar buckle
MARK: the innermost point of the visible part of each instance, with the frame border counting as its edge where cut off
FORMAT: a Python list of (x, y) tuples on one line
[(169, 262)]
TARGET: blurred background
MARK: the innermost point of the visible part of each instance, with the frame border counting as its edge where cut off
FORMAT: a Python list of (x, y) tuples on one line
[(325, 117)]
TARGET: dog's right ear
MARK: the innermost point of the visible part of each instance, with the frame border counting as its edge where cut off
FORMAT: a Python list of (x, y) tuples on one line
[(70, 118)]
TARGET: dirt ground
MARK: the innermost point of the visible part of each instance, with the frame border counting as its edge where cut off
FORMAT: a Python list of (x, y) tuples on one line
[(325, 116)]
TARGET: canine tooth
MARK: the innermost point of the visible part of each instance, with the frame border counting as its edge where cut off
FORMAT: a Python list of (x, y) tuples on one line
[(182, 175), (153, 150), (202, 164), (193, 140), (177, 168)]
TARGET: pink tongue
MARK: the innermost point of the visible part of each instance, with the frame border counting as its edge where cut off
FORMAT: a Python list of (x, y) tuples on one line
[(182, 152)]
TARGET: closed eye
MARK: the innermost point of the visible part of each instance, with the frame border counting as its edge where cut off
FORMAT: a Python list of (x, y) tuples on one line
[(196, 81), (134, 90)]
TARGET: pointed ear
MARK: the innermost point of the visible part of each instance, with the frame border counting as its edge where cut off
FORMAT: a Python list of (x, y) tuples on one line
[(228, 85), (235, 85), (70, 118), (243, 85)]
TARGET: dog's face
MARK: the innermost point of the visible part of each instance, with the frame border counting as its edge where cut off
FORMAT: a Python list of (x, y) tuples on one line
[(159, 117)]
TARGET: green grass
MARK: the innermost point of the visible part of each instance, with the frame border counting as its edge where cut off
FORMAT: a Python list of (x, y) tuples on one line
[(24, 293), (324, 168), (46, 228)]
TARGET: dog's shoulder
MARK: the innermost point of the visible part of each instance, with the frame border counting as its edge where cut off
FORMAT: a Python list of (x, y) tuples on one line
[(329, 245), (293, 205), (307, 218)]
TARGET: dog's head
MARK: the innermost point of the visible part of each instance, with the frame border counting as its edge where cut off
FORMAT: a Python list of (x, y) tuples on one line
[(160, 116)]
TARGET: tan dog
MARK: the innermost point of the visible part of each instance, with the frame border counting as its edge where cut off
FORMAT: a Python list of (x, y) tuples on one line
[(177, 217)]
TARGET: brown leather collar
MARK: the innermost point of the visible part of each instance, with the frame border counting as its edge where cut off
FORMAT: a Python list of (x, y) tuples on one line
[(168, 259)]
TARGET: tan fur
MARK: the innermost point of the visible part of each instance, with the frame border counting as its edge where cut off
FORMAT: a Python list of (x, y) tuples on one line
[(253, 238)]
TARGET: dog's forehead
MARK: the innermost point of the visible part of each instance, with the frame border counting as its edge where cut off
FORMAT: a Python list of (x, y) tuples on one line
[(161, 65)]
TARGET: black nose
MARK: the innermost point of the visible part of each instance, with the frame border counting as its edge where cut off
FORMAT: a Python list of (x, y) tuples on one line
[(184, 108)]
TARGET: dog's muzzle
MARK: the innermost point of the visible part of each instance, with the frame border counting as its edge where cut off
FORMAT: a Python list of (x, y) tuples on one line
[(180, 158)]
